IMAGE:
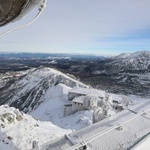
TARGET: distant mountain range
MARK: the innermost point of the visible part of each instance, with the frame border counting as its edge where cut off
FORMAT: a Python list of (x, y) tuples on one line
[(49, 55)]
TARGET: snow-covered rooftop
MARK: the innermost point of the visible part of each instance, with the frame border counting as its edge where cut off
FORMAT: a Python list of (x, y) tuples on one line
[(116, 132), (86, 91), (79, 99)]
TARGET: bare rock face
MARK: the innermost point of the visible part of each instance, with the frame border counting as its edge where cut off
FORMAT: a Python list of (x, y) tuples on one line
[(10, 9)]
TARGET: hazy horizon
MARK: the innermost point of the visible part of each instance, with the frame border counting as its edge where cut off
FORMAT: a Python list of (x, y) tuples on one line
[(69, 53)]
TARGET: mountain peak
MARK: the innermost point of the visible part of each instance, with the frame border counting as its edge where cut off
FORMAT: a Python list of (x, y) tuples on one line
[(145, 53), (130, 61)]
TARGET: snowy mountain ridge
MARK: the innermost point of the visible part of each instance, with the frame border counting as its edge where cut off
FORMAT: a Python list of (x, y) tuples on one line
[(138, 54), (26, 91), (130, 61)]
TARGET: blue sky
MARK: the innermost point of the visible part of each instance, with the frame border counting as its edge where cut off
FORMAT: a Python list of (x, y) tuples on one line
[(106, 27)]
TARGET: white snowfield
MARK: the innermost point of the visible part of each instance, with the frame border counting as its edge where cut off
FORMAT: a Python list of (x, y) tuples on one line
[(118, 132)]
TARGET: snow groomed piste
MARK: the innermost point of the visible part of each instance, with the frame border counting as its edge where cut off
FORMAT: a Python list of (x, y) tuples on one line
[(120, 131)]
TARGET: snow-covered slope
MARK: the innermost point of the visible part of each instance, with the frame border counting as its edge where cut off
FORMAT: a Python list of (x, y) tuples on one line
[(42, 93), (19, 131), (52, 109), (26, 92), (130, 61)]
